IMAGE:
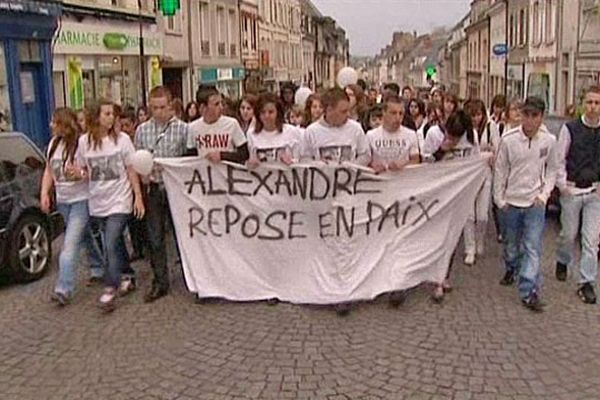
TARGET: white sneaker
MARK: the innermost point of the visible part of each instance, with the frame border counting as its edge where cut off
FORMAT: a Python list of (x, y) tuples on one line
[(127, 286), (469, 259)]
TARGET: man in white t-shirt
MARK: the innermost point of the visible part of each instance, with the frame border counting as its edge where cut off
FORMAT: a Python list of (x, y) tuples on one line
[(393, 146), (335, 137), (215, 136)]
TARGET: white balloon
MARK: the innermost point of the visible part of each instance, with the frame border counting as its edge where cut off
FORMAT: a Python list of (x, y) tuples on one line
[(347, 76), (142, 162), (302, 95)]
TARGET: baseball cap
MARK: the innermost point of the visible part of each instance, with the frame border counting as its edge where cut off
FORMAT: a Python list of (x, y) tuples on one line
[(534, 104)]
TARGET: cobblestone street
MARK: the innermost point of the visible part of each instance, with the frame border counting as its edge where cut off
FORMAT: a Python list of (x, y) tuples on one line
[(479, 344)]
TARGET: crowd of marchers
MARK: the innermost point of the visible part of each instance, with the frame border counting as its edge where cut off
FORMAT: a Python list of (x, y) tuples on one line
[(90, 179)]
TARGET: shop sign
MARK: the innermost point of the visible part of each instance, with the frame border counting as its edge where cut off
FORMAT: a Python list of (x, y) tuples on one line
[(500, 49), (224, 74), (92, 38)]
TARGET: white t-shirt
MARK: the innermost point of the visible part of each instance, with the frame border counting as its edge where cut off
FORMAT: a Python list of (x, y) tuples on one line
[(435, 138), (387, 147), (267, 146), (68, 191), (331, 143), (109, 186), (225, 134)]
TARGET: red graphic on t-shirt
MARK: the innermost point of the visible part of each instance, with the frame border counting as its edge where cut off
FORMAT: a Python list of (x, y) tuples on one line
[(216, 141)]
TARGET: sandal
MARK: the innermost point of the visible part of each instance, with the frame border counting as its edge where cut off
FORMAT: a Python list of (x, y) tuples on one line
[(107, 300)]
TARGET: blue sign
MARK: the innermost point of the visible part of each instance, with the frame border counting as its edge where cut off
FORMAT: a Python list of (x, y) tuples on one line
[(500, 49)]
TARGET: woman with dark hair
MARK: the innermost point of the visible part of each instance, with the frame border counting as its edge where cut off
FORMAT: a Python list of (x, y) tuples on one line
[(313, 109), (358, 103), (497, 108), (142, 115), (192, 112), (417, 113), (416, 109), (177, 106), (451, 104), (71, 198), (487, 135), (458, 141), (246, 112), (114, 190), (272, 140)]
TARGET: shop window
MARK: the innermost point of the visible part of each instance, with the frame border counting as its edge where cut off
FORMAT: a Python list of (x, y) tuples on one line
[(89, 86), (204, 28), (174, 23), (538, 85), (5, 116), (549, 21), (58, 81)]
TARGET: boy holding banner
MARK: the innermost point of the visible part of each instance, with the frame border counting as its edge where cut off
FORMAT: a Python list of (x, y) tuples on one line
[(337, 138), (216, 136)]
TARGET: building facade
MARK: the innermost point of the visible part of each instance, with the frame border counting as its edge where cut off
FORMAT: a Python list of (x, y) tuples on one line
[(97, 52), (280, 41), (249, 22), (26, 99), (497, 51), (216, 27), (478, 50), (176, 68)]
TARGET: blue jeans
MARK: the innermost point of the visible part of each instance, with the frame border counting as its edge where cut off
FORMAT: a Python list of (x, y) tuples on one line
[(112, 228), (584, 208), (93, 246), (523, 233), (76, 218)]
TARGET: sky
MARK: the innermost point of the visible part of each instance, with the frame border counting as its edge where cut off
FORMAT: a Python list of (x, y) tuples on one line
[(370, 23)]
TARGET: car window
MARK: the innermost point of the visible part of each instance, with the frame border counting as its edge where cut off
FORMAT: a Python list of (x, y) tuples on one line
[(18, 158)]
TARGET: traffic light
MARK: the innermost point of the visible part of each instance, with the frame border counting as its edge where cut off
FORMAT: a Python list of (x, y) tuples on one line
[(168, 8), (431, 71)]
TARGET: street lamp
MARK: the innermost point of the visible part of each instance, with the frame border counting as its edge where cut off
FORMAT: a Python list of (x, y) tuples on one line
[(141, 44)]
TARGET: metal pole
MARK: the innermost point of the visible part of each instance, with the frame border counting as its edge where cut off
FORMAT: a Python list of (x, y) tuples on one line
[(142, 62), (506, 36), (192, 90)]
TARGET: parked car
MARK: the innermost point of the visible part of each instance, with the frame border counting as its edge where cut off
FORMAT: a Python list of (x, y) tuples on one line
[(26, 233)]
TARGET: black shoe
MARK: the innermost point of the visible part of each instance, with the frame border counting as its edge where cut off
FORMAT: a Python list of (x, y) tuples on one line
[(209, 300), (533, 303), (343, 309), (273, 301), (508, 278), (94, 281), (154, 294), (397, 298), (561, 272), (586, 293)]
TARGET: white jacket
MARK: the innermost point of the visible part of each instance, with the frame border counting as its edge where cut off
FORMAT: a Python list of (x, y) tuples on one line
[(525, 168)]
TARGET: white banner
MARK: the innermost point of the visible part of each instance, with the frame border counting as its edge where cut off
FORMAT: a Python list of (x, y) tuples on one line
[(317, 234)]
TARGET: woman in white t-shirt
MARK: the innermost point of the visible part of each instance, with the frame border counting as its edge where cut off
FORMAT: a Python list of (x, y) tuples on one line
[(272, 140), (458, 140), (71, 193), (247, 112), (487, 135), (114, 189)]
